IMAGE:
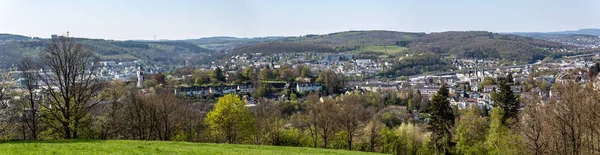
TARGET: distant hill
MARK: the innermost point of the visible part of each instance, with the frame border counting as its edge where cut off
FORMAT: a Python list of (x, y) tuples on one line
[(360, 38), (595, 32), (569, 39), (12, 37), (468, 44), (284, 47), (582, 37), (592, 31), (228, 43), (163, 52), (485, 45)]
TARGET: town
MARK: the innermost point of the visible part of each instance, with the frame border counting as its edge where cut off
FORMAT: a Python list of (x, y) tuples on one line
[(300, 77)]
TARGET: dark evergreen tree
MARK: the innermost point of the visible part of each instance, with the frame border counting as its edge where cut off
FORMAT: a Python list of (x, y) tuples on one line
[(441, 121), (509, 78), (507, 100), (217, 75)]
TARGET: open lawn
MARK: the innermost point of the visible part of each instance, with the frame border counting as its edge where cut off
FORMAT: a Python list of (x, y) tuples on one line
[(64, 147), (390, 50)]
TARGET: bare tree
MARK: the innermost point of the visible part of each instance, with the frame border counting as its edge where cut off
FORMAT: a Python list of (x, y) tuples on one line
[(567, 125), (70, 83), (106, 120), (532, 125), (8, 112), (135, 118), (325, 113), (307, 120), (269, 122), (352, 116), (29, 71), (168, 114), (372, 135)]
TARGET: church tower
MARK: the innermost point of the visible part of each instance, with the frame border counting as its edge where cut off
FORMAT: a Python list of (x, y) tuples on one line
[(140, 76)]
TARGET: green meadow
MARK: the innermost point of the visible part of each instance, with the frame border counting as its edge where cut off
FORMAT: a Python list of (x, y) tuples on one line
[(65, 147)]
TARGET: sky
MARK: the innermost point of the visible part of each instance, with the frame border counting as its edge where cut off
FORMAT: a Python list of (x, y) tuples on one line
[(188, 19)]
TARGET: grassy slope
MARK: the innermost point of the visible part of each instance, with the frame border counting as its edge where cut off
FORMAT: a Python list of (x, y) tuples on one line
[(385, 49), (152, 147)]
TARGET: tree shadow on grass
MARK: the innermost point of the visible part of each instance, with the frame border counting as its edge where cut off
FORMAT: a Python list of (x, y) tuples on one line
[(50, 141)]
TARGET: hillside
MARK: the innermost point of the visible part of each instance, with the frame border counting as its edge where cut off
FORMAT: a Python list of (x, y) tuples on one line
[(12, 37), (164, 52), (485, 45), (569, 39), (64, 147), (360, 38), (228, 43), (284, 47), (468, 44), (595, 32)]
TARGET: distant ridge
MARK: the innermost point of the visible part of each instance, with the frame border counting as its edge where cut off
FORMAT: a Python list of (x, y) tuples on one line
[(459, 44), (590, 31), (12, 37)]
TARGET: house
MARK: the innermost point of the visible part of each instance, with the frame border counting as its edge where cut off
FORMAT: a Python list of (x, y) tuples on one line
[(215, 90), (375, 87), (515, 89), (308, 87), (363, 61), (194, 91), (229, 89), (428, 90), (489, 88), (245, 88), (108, 63)]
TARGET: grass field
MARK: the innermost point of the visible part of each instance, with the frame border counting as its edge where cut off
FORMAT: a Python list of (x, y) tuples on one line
[(153, 147), (390, 50)]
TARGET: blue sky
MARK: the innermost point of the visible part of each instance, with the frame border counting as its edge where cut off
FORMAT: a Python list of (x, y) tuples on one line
[(184, 19)]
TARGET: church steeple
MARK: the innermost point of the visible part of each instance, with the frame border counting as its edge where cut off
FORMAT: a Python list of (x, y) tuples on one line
[(140, 76)]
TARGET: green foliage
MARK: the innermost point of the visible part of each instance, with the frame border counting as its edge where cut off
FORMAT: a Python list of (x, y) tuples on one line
[(217, 76), (293, 97), (500, 139), (471, 131), (150, 83), (231, 119), (507, 101), (332, 82), (441, 120), (180, 136), (305, 71), (406, 139), (487, 81)]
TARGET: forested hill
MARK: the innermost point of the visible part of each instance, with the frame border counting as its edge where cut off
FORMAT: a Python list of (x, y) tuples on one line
[(228, 43), (468, 44), (12, 37), (352, 38), (485, 45), (163, 52), (582, 37)]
